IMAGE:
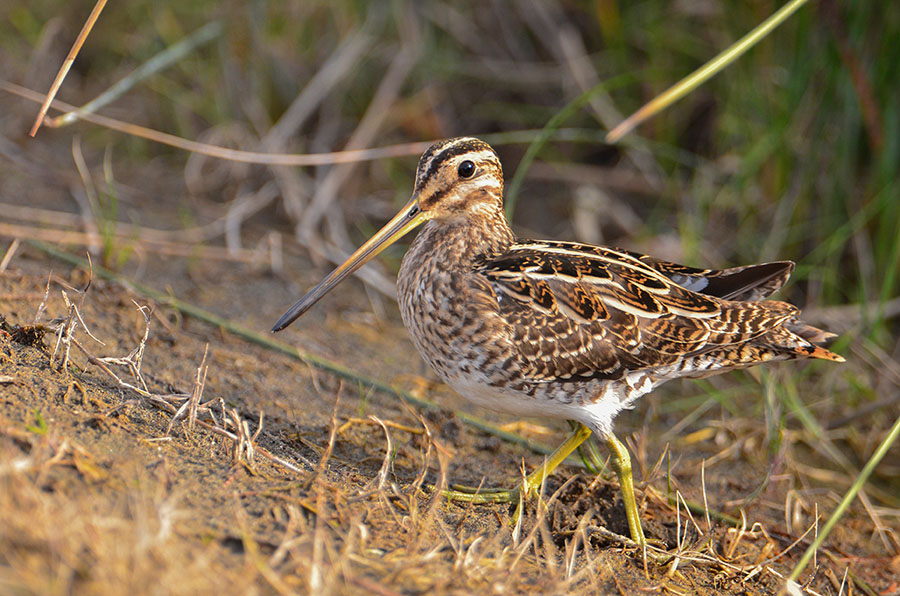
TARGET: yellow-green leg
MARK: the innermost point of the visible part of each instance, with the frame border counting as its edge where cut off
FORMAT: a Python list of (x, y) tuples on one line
[(534, 480), (620, 461), (621, 465)]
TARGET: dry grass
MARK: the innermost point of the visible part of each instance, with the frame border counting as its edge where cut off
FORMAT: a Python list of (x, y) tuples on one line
[(79, 517), (90, 543)]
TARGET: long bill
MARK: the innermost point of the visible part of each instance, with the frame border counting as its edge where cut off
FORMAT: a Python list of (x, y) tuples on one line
[(408, 218)]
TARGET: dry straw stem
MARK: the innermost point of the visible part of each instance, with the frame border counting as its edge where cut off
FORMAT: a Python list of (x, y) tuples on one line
[(704, 73), (56, 226), (160, 61), (191, 406), (9, 254), (312, 159), (244, 448), (366, 132), (256, 157), (67, 64), (180, 249), (65, 329)]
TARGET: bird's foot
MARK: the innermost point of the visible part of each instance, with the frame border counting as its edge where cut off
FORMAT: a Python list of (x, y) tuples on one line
[(481, 495)]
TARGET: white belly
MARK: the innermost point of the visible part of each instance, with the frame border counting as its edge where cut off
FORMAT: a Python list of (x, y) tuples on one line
[(597, 414)]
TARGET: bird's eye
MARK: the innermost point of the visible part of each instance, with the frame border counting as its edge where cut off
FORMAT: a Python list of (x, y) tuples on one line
[(466, 169)]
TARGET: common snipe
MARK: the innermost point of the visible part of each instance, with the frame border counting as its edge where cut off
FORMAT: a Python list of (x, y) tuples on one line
[(561, 329)]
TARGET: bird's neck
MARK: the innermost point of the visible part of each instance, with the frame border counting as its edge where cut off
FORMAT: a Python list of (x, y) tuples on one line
[(460, 243)]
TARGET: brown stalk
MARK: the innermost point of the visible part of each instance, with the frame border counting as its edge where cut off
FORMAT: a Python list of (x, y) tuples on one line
[(67, 64), (284, 159)]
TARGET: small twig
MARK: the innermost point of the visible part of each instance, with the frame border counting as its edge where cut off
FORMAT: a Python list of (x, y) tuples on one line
[(64, 334), (99, 362), (135, 358), (259, 427), (243, 449), (687, 510), (191, 406), (43, 305), (197, 391), (388, 455)]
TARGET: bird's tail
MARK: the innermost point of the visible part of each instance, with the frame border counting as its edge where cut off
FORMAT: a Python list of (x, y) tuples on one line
[(805, 340)]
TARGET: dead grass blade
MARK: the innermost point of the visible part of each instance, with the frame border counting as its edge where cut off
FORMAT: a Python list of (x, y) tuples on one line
[(704, 73), (8, 255), (67, 64), (342, 61), (244, 444), (159, 62), (182, 249), (365, 133), (283, 159)]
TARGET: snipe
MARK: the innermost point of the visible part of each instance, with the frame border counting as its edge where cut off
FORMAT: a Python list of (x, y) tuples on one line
[(562, 329)]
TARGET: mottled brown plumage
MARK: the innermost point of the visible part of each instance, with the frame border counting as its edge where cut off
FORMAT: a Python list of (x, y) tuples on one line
[(561, 329)]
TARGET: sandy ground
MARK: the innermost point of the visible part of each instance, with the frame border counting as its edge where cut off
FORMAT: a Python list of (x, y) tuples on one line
[(103, 493)]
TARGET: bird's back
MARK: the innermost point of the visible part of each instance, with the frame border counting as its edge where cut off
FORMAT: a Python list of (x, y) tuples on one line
[(576, 311)]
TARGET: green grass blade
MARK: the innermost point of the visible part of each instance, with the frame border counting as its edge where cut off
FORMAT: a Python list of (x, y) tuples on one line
[(545, 134), (705, 72), (861, 479), (162, 60)]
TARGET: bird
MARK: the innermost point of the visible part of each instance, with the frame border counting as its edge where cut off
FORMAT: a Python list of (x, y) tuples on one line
[(563, 330)]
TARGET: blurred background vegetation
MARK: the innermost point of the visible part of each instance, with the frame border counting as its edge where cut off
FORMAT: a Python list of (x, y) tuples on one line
[(790, 153)]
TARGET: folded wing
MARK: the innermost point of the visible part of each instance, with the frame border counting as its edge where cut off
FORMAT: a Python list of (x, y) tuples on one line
[(579, 311)]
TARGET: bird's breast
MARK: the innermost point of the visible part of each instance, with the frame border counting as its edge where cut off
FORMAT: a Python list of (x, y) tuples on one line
[(453, 319)]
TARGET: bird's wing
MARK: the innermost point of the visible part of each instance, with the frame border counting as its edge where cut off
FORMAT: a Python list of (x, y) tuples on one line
[(576, 310), (750, 282)]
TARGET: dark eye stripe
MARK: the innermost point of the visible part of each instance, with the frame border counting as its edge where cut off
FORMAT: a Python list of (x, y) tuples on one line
[(454, 150)]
